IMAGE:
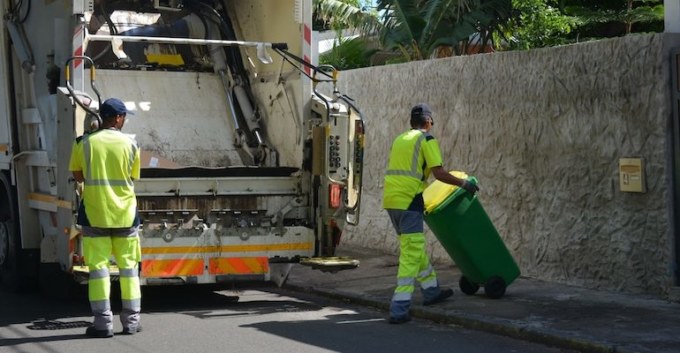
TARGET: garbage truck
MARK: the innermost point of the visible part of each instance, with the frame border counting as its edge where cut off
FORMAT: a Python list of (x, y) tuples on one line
[(251, 158)]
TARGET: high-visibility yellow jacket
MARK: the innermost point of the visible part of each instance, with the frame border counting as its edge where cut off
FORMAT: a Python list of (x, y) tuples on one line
[(109, 161), (412, 156)]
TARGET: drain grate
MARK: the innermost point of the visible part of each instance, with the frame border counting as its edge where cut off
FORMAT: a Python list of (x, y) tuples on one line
[(43, 324)]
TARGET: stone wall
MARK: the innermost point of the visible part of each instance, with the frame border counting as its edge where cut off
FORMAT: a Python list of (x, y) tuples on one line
[(543, 131)]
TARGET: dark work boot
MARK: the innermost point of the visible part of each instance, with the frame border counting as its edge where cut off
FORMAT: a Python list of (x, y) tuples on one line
[(94, 333), (443, 295), (399, 320), (132, 330)]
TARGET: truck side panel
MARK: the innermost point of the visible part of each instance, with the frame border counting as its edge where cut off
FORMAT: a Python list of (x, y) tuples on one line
[(5, 107)]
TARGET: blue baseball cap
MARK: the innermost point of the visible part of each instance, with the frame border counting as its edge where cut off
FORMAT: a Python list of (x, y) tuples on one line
[(419, 114), (422, 109), (112, 107)]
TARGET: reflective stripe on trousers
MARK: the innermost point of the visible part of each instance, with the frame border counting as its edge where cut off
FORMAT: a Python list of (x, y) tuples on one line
[(414, 265), (127, 252)]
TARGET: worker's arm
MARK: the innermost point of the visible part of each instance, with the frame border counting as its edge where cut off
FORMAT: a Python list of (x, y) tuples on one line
[(78, 176), (442, 175), (75, 164)]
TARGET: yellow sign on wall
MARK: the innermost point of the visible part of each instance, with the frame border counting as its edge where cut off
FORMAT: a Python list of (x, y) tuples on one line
[(632, 175)]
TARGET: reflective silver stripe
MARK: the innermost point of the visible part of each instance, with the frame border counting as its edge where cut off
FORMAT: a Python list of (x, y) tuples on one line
[(128, 272), (100, 182), (132, 157), (87, 155), (401, 296), (429, 284), (414, 162), (404, 173), (133, 305), (406, 281), (416, 154), (99, 273), (426, 272), (100, 306), (103, 316)]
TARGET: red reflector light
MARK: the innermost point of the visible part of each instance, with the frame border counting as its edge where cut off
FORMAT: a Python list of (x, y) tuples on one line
[(359, 128), (334, 195), (77, 259)]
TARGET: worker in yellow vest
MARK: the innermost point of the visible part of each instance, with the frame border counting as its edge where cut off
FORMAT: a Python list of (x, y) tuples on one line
[(414, 156), (106, 162)]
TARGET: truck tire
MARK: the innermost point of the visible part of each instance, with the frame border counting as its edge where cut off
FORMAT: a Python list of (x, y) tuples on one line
[(4, 245), (10, 272), (15, 264)]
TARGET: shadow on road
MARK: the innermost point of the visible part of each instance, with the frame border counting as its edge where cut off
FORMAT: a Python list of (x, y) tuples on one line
[(41, 313), (8, 342)]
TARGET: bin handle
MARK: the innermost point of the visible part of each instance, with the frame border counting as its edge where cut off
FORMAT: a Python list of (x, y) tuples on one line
[(467, 201), (464, 204)]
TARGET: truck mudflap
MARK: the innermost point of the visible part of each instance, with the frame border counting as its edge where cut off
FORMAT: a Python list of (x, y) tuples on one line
[(331, 263)]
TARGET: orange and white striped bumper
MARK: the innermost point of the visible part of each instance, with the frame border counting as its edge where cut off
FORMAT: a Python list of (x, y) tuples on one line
[(198, 267), (213, 264)]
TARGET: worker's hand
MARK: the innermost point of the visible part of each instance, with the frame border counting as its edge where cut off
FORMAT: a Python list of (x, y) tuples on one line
[(470, 187)]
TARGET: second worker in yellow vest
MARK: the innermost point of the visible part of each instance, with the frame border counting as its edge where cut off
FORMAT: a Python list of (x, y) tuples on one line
[(106, 162)]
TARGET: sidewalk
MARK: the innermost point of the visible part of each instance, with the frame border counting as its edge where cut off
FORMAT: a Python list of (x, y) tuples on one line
[(553, 314)]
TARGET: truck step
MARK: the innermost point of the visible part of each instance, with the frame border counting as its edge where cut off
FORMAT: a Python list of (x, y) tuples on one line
[(330, 264)]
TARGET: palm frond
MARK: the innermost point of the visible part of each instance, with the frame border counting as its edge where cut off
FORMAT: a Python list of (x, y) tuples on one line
[(344, 15), (402, 22), (478, 24), (349, 54), (435, 12)]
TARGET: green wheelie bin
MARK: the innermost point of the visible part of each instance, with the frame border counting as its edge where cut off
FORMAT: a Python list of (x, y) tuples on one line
[(461, 225)]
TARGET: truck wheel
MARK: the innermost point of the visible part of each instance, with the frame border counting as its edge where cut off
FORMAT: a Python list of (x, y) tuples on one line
[(467, 287), (495, 287), (16, 265), (9, 258), (4, 244)]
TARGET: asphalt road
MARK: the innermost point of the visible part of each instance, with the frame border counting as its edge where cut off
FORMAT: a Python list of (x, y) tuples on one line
[(186, 319)]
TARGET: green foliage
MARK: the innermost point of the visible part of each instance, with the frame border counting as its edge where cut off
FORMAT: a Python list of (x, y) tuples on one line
[(418, 28), (342, 14), (536, 24), (541, 23), (346, 14), (613, 18), (349, 54)]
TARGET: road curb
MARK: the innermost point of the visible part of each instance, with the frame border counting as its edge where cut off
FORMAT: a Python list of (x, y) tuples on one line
[(508, 329)]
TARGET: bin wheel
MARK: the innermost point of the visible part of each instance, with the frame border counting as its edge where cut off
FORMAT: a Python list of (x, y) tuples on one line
[(495, 287), (467, 287)]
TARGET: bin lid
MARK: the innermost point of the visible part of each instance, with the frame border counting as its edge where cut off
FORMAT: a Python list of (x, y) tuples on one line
[(438, 192)]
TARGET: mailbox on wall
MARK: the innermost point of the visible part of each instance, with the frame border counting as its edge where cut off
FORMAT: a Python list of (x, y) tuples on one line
[(632, 175)]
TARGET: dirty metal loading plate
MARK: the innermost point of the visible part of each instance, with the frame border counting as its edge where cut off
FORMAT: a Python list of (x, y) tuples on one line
[(330, 264)]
